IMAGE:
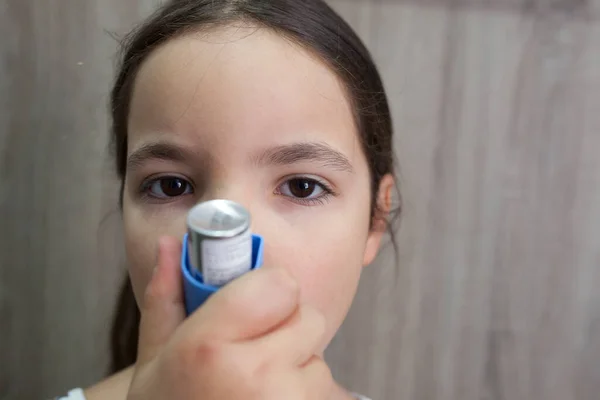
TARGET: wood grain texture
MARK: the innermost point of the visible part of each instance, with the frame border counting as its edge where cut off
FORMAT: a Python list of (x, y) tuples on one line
[(575, 9), (498, 138), (498, 143), (59, 258)]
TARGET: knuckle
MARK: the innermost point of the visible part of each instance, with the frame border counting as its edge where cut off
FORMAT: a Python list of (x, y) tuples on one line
[(196, 355), (209, 353)]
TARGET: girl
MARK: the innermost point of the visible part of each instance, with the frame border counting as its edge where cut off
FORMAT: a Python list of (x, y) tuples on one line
[(275, 104)]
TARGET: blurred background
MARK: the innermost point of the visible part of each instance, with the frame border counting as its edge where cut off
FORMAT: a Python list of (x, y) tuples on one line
[(497, 113)]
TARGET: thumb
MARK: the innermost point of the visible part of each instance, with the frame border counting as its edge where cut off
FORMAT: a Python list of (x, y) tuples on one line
[(163, 308)]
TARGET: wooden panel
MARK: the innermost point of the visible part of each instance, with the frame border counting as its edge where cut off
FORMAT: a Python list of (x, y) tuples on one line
[(576, 9), (498, 147), (59, 244), (497, 136)]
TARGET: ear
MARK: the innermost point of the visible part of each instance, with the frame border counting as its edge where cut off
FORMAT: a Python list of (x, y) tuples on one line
[(379, 223)]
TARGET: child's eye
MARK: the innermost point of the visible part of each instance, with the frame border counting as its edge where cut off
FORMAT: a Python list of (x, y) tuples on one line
[(305, 190), (167, 187)]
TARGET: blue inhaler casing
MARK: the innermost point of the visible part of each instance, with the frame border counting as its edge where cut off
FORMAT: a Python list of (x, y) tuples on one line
[(196, 292)]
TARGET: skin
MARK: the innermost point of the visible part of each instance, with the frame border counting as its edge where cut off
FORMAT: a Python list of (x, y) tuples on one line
[(218, 113)]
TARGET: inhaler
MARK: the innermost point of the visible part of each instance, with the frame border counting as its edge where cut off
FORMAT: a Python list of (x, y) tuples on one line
[(217, 248)]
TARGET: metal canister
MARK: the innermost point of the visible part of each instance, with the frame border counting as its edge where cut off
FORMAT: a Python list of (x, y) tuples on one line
[(220, 241)]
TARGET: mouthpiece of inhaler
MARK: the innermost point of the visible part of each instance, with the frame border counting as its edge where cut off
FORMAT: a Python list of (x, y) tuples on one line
[(217, 248)]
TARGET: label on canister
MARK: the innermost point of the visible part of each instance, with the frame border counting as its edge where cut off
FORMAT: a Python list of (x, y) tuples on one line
[(226, 259)]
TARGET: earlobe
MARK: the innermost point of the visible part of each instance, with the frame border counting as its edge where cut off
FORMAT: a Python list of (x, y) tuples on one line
[(379, 223)]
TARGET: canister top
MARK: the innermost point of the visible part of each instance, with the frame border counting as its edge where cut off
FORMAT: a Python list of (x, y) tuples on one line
[(218, 219)]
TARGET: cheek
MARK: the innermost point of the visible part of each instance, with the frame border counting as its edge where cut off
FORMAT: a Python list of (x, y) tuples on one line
[(325, 258), (330, 282)]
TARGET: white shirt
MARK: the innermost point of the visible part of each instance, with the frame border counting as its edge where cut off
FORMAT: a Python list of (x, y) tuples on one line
[(75, 394)]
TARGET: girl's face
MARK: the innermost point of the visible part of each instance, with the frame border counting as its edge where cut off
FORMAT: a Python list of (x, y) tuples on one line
[(243, 114)]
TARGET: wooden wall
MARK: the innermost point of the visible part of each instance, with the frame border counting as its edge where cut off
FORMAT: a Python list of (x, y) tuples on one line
[(497, 112)]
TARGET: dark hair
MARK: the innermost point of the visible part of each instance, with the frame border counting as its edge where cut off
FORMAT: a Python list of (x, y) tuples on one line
[(311, 24)]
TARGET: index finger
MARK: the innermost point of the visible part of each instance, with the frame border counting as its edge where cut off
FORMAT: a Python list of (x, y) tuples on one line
[(247, 307)]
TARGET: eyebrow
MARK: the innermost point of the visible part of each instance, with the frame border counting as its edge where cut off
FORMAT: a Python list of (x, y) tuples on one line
[(289, 154), (157, 150), (315, 152)]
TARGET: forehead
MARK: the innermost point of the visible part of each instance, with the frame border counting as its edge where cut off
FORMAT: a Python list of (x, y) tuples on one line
[(240, 80)]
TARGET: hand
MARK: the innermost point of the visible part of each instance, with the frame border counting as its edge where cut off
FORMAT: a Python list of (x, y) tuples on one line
[(250, 340)]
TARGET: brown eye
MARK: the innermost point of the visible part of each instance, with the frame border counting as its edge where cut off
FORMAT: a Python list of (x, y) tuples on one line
[(305, 191), (169, 187), (301, 187)]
